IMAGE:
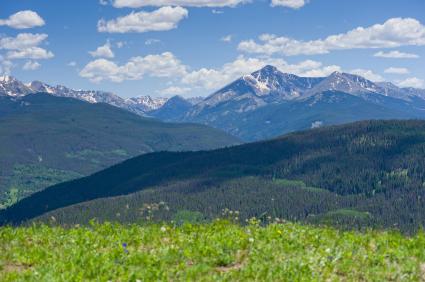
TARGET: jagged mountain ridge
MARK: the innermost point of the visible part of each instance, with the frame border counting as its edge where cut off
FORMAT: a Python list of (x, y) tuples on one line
[(10, 86)]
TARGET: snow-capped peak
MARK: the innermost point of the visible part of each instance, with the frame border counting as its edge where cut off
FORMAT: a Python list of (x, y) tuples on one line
[(7, 78)]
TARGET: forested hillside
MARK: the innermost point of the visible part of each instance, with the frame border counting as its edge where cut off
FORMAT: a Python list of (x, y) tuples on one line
[(45, 140), (368, 173)]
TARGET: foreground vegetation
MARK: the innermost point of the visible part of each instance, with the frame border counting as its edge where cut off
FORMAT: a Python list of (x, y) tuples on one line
[(208, 252)]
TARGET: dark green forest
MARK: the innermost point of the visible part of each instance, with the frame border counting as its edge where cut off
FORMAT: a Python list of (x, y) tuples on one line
[(45, 140), (364, 174)]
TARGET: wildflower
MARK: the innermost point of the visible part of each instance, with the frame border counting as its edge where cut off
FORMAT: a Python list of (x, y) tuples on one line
[(124, 246), (163, 229), (251, 240)]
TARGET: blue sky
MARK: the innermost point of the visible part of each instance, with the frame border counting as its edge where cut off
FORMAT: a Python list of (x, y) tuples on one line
[(193, 47)]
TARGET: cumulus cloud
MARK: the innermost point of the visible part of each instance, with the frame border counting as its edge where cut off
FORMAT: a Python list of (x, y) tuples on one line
[(35, 53), (184, 3), (227, 38), (395, 55), (72, 64), (368, 74), (103, 51), (21, 41), (394, 32), (23, 19), (120, 44), (31, 65), (152, 41), (164, 18), (5, 66), (25, 46), (412, 82), (162, 65), (294, 4), (174, 90), (215, 78), (394, 70), (217, 12)]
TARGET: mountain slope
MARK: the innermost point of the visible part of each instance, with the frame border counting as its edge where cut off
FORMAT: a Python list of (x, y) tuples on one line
[(46, 139), (366, 173)]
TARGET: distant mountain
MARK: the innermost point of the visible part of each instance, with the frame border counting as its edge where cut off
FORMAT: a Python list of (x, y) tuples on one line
[(175, 108), (10, 86), (365, 174), (147, 103), (268, 103), (46, 139)]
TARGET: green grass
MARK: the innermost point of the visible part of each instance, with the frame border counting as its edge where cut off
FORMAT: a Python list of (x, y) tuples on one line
[(219, 251)]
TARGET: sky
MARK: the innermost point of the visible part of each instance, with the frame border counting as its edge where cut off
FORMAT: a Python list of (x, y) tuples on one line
[(192, 48)]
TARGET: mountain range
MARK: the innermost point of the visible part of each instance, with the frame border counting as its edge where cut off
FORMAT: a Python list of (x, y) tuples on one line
[(45, 139), (10, 86), (364, 174), (268, 103), (263, 104)]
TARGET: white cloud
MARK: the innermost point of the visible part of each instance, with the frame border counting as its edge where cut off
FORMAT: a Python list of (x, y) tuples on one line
[(396, 55), (412, 82), (184, 3), (217, 12), (72, 64), (215, 78), (22, 41), (35, 53), (103, 51), (294, 4), (103, 2), (368, 74), (174, 90), (164, 18), (120, 44), (5, 66), (321, 71), (162, 65), (394, 70), (31, 65), (152, 41), (227, 38), (394, 32), (23, 19), (25, 46)]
